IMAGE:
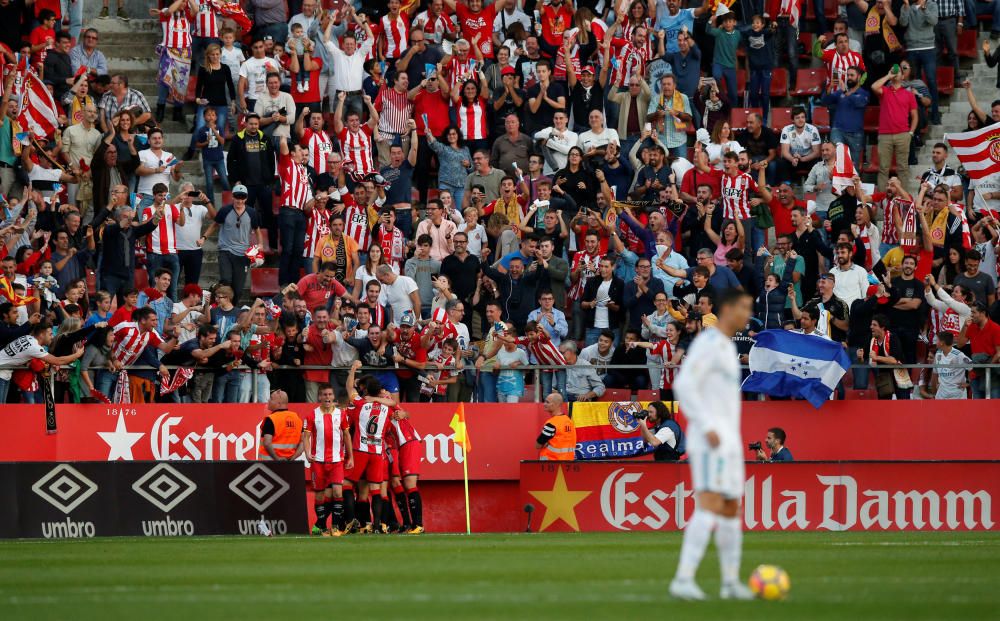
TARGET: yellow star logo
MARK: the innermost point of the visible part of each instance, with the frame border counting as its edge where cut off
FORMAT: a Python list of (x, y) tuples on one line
[(560, 503)]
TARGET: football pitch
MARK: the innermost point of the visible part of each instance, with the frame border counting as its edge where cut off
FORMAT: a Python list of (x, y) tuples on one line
[(520, 576)]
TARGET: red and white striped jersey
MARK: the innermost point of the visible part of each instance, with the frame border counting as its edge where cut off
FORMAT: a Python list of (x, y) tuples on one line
[(631, 61), (394, 109), (393, 35), (736, 195), (319, 145), (295, 188), (405, 432), (206, 24), (459, 71), (665, 351), (948, 321), (176, 30), (356, 224), (472, 120), (130, 341), (163, 239), (371, 426), (439, 375), (325, 434), (393, 245), (434, 27), (542, 349), (588, 264), (378, 315), (628, 28), (317, 228), (838, 64), (356, 147)]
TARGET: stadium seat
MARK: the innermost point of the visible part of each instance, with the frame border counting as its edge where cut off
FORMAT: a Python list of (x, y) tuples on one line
[(809, 82), (870, 166), (855, 394), (780, 117), (946, 79), (821, 119), (617, 394), (264, 281), (141, 279), (967, 47), (871, 119), (91, 282), (806, 41), (433, 193), (741, 81), (265, 244), (738, 117), (528, 396), (647, 395), (779, 82)]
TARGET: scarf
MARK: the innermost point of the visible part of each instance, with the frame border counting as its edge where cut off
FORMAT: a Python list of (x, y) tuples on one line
[(76, 109), (340, 260), (959, 211), (677, 105), (181, 377), (392, 245), (938, 228), (875, 23), (908, 238), (900, 376), (122, 392), (842, 174), (867, 243)]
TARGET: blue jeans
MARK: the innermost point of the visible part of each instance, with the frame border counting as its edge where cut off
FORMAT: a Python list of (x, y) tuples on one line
[(788, 35), (456, 193), (979, 385), (226, 388), (278, 31), (729, 73), (104, 381), (74, 11), (855, 142), (292, 229), (553, 382), (861, 375), (404, 221), (259, 197), (760, 90), (166, 261), (115, 285), (4, 386), (220, 167), (753, 238), (486, 389), (926, 61)]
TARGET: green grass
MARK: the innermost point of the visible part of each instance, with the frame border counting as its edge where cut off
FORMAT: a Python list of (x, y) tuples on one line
[(843, 576)]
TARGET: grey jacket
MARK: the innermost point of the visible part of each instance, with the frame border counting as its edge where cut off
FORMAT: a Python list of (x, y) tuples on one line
[(919, 25), (581, 378)]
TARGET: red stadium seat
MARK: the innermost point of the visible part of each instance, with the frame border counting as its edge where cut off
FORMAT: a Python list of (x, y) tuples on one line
[(264, 281), (141, 279), (779, 82), (806, 39), (617, 394), (91, 283), (870, 166), (647, 395), (855, 394), (738, 117), (967, 47), (821, 119), (809, 82), (741, 81), (780, 117), (871, 119), (528, 396), (946, 79)]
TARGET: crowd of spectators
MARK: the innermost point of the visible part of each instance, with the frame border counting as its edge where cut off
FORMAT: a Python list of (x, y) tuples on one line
[(451, 191)]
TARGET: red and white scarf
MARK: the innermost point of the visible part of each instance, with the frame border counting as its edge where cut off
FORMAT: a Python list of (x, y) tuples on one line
[(959, 210), (908, 214), (122, 392), (842, 175), (867, 243), (181, 377)]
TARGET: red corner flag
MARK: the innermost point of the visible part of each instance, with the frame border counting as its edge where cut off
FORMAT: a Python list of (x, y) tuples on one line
[(978, 150), (461, 431)]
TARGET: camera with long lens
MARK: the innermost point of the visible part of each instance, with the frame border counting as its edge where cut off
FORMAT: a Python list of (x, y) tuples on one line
[(754, 446)]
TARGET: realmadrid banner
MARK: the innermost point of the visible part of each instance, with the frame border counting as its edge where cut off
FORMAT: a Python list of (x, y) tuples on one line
[(609, 430), (98, 499), (815, 496)]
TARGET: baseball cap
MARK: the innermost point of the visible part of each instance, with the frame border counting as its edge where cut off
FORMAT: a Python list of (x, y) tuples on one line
[(407, 319), (507, 71), (240, 191), (588, 68)]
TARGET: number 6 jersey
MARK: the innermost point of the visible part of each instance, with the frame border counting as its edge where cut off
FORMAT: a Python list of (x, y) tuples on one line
[(371, 422)]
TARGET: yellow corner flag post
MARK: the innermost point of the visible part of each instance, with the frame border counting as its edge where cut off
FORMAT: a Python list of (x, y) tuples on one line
[(462, 439)]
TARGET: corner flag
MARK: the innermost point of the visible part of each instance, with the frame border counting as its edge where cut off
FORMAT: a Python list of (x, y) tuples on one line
[(461, 438)]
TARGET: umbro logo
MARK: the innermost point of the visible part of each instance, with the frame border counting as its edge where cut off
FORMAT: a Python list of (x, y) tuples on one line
[(65, 488), (259, 487), (164, 487)]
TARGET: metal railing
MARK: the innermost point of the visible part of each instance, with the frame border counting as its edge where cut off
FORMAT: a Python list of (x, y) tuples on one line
[(537, 369)]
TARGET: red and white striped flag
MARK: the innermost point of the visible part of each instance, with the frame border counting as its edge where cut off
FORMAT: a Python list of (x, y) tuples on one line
[(842, 175), (38, 111), (978, 150)]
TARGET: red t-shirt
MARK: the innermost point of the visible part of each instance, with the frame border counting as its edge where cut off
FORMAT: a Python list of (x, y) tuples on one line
[(480, 23), (317, 295), (783, 215), (894, 110), (312, 94), (122, 314), (39, 35), (321, 354), (411, 349), (435, 106), (984, 340), (692, 179)]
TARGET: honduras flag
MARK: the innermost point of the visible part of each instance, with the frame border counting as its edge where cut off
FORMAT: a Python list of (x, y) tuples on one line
[(786, 364)]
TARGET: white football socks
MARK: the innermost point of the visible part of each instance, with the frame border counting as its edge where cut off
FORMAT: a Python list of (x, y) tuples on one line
[(697, 534), (729, 541)]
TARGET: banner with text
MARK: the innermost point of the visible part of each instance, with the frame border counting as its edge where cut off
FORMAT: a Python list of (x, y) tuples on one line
[(609, 430), (97, 499), (832, 496)]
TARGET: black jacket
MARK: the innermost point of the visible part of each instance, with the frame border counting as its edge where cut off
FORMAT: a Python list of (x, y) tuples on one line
[(118, 248), (517, 298), (236, 161), (617, 295)]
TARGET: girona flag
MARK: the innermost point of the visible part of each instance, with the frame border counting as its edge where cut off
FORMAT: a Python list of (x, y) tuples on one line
[(236, 13), (38, 111), (843, 173), (978, 150)]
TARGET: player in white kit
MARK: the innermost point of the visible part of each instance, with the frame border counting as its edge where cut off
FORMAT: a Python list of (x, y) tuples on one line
[(708, 388)]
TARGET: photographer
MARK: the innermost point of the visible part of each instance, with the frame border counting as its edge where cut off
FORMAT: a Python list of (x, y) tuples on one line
[(775, 441), (666, 436)]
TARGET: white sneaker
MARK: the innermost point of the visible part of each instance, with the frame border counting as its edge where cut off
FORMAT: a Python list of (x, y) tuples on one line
[(686, 590), (735, 590)]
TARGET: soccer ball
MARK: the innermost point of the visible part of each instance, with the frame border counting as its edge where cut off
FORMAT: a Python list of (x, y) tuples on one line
[(770, 582)]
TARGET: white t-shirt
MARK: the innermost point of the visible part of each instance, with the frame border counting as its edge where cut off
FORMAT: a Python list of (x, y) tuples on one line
[(602, 299), (17, 353), (365, 277), (193, 317), (151, 160), (255, 71), (592, 355), (589, 140), (188, 234), (800, 143), (477, 237), (44, 174), (398, 296), (233, 59), (949, 378)]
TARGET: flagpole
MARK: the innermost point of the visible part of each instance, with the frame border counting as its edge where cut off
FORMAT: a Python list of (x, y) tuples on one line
[(465, 472)]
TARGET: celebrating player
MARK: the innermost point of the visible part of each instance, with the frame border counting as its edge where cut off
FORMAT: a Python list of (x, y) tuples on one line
[(708, 387), (330, 452)]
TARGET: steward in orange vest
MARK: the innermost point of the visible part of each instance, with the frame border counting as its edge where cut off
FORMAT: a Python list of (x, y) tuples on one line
[(557, 441), (281, 437)]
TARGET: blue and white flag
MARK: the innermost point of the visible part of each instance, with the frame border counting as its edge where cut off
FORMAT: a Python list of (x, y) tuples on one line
[(787, 364)]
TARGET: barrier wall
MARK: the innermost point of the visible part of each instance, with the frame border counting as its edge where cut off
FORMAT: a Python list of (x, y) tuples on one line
[(98, 499), (831, 496)]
